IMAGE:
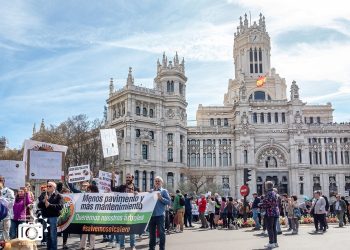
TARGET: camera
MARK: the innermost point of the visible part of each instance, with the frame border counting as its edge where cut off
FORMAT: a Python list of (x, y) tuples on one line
[(30, 231)]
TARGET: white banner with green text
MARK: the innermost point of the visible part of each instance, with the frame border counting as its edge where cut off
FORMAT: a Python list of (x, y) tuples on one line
[(106, 213)]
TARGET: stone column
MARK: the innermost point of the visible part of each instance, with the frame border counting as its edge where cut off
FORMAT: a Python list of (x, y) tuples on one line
[(340, 179), (201, 151), (217, 153)]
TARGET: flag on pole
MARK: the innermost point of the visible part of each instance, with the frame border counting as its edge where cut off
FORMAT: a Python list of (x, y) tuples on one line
[(261, 81)]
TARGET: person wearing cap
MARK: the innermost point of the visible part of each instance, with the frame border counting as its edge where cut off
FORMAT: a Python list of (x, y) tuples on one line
[(51, 204), (8, 198)]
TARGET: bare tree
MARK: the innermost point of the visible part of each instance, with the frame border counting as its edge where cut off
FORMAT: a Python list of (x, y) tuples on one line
[(195, 180)]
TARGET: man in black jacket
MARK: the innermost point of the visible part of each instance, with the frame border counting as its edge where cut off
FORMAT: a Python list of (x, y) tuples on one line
[(51, 204), (128, 187)]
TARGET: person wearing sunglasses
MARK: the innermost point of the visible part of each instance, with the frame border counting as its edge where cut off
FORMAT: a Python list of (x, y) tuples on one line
[(51, 204), (158, 216)]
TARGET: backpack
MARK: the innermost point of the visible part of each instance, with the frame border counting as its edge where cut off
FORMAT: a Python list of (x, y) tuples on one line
[(327, 203), (3, 210), (182, 201)]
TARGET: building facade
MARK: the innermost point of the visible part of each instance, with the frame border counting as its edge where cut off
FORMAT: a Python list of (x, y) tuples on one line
[(259, 126)]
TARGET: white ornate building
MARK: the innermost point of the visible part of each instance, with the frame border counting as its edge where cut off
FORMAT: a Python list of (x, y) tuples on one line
[(281, 139)]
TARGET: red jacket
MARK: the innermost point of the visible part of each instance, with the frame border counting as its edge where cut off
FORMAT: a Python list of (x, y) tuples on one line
[(202, 205)]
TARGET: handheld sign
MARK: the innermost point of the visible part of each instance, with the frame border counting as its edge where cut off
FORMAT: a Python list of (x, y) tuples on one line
[(79, 174)]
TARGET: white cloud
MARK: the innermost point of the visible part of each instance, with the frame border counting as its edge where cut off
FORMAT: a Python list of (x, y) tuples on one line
[(198, 41)]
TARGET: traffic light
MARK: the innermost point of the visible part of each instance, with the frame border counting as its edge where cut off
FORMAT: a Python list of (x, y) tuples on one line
[(247, 175)]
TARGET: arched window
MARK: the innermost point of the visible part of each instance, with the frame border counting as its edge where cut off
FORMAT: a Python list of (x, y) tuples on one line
[(204, 160), (198, 160), (144, 181), (138, 110), (245, 156), (136, 178), (170, 154), (259, 95), (138, 133), (151, 179), (219, 122), (255, 55), (151, 134), (225, 159), (209, 163), (168, 86), (225, 122), (251, 61), (151, 113), (214, 159), (144, 151), (144, 111), (172, 86), (170, 179), (262, 118), (255, 118), (211, 122), (193, 160)]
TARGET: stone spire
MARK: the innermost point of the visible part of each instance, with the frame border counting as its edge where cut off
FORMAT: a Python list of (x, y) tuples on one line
[(130, 80), (34, 129), (260, 19), (245, 21), (42, 126), (176, 60), (165, 61), (294, 91), (111, 86)]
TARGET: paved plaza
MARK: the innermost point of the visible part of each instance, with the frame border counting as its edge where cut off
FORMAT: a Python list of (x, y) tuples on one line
[(242, 239)]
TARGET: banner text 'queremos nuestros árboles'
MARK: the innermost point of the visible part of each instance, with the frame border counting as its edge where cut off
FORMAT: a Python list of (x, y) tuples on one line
[(106, 213)]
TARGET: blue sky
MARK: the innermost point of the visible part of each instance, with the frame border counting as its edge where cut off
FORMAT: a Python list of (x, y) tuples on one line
[(56, 57)]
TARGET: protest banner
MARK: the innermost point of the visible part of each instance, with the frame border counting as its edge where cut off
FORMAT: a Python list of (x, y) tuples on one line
[(40, 146), (109, 142), (79, 173), (45, 165), (104, 181), (106, 213), (14, 173)]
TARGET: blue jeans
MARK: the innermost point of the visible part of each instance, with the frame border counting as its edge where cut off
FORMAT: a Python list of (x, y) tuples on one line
[(113, 237), (122, 240), (156, 222), (278, 226), (256, 217), (14, 228), (52, 237)]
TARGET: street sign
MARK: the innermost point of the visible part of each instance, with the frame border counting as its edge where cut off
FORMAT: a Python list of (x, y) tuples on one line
[(244, 190)]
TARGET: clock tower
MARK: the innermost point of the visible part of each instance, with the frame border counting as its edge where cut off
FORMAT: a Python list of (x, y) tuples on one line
[(251, 49), (251, 54)]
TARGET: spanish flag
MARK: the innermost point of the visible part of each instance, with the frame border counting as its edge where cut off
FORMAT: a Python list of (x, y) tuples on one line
[(261, 81)]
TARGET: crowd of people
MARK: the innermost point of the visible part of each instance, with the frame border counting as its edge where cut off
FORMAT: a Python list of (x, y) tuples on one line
[(20, 206), (172, 212), (213, 211)]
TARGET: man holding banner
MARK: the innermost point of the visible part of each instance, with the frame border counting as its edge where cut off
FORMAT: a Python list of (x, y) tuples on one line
[(129, 187), (158, 216)]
